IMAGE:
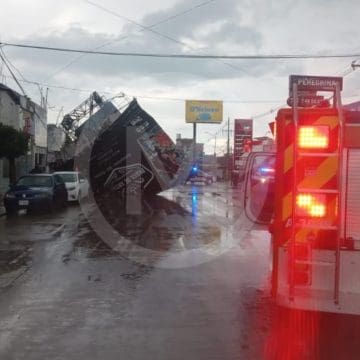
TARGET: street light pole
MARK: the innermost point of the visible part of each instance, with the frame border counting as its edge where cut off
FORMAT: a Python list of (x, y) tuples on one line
[(215, 147), (228, 149), (194, 139)]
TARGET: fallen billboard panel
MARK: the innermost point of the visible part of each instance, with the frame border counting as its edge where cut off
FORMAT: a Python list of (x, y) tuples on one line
[(134, 156)]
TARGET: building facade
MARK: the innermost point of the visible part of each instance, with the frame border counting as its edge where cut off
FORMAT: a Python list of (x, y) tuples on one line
[(23, 114)]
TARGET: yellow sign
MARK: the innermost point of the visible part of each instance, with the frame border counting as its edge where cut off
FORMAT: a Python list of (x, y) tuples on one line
[(200, 111)]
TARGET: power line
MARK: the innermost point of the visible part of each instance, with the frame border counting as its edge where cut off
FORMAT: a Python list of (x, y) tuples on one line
[(20, 74), (347, 71), (127, 36), (59, 86), (12, 74), (149, 28), (163, 98), (188, 56), (225, 100), (258, 116), (11, 64)]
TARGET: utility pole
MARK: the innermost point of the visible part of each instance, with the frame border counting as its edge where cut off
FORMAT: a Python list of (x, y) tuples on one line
[(194, 138), (215, 147), (228, 149)]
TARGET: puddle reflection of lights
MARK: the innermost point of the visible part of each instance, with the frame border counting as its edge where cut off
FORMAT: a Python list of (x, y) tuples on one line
[(194, 202)]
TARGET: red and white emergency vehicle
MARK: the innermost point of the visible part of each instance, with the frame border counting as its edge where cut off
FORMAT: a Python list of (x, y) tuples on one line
[(315, 227)]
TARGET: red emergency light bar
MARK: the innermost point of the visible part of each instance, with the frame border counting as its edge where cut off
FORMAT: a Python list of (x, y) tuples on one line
[(311, 205), (313, 137)]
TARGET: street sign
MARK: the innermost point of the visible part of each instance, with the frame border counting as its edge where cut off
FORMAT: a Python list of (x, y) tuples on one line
[(306, 101), (315, 83)]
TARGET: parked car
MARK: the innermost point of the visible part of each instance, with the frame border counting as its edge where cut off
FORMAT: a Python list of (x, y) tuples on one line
[(200, 177), (76, 184), (40, 191)]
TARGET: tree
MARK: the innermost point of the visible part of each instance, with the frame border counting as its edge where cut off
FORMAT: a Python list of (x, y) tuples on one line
[(13, 144)]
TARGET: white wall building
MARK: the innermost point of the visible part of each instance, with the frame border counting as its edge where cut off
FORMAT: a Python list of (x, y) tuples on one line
[(21, 113)]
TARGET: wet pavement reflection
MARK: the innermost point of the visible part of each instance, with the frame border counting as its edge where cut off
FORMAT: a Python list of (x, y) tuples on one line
[(66, 293)]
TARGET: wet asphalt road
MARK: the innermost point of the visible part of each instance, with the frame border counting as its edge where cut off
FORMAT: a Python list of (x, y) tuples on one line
[(65, 293)]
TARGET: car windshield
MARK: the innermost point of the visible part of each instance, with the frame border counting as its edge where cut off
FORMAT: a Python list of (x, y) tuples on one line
[(35, 181), (68, 177)]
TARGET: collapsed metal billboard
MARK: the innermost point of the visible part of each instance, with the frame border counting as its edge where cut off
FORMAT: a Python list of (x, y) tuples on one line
[(133, 156)]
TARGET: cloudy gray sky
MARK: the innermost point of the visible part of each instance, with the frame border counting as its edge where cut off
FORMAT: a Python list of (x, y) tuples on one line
[(224, 27)]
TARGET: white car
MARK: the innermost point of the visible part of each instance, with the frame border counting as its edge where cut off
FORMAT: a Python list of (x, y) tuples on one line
[(76, 184), (200, 176)]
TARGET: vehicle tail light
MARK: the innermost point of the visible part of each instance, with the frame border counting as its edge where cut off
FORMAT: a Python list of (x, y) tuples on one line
[(313, 137), (311, 205)]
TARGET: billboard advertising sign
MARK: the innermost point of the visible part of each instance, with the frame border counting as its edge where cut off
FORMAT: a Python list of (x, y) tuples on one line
[(201, 111), (243, 133)]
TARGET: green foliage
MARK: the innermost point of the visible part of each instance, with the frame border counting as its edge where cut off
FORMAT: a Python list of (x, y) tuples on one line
[(13, 143)]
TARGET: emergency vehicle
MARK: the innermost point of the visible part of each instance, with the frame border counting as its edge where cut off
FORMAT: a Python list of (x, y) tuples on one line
[(315, 226)]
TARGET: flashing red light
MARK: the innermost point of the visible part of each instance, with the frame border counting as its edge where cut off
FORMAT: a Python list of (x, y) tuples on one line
[(311, 205), (313, 137)]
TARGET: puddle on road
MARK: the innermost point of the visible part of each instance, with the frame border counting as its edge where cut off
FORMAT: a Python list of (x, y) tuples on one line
[(164, 225), (160, 228), (13, 263), (89, 243), (26, 230)]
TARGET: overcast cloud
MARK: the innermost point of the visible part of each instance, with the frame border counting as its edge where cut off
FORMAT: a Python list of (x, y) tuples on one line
[(219, 27)]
